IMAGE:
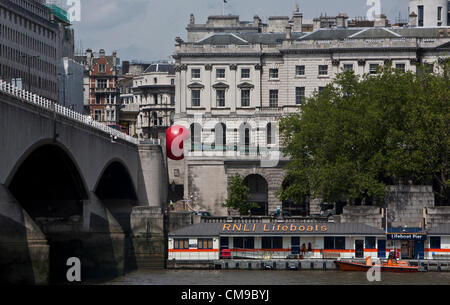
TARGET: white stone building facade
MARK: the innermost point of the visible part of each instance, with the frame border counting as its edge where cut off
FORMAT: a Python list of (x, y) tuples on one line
[(244, 82)]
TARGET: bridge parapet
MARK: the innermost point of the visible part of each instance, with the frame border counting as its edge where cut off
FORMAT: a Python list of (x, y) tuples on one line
[(35, 99)]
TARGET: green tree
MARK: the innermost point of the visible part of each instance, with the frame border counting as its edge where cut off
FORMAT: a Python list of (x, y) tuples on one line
[(363, 133), (238, 195)]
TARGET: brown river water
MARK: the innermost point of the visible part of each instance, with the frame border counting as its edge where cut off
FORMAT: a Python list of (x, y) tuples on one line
[(259, 277)]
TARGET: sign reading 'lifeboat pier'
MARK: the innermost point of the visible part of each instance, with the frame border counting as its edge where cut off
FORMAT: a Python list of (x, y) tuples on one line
[(273, 228)]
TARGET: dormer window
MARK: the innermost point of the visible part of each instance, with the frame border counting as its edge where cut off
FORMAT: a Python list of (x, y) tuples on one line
[(102, 68)]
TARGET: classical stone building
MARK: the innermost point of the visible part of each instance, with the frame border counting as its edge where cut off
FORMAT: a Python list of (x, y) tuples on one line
[(429, 13), (235, 80), (154, 92)]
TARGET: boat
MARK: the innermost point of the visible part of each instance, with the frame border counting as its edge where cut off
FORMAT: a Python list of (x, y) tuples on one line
[(391, 265)]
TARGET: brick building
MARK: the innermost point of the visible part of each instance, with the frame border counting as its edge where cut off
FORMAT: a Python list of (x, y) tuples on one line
[(101, 92)]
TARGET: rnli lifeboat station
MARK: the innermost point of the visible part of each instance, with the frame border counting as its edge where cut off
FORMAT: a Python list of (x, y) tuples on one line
[(316, 245)]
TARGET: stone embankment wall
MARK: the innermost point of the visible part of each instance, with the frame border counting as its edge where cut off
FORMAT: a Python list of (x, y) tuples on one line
[(406, 205), (435, 216)]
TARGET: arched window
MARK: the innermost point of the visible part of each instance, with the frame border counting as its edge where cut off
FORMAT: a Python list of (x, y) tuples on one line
[(196, 137), (220, 137), (245, 138), (269, 134)]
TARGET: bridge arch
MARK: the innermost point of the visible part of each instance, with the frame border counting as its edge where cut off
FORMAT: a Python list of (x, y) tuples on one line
[(48, 185), (115, 182), (37, 145), (47, 174)]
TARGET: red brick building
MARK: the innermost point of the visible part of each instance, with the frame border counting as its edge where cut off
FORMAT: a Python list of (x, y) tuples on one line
[(101, 92)]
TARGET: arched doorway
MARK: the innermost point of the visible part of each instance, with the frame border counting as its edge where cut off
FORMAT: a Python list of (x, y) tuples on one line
[(258, 193), (50, 188)]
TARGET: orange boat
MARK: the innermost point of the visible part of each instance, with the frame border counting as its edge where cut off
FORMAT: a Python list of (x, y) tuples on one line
[(391, 266)]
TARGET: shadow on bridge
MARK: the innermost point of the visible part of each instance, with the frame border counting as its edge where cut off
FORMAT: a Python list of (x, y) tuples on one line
[(92, 226)]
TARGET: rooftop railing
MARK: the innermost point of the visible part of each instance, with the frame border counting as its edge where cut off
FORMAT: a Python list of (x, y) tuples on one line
[(39, 101)]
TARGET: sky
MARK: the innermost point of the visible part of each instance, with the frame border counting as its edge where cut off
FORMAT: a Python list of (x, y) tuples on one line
[(145, 30)]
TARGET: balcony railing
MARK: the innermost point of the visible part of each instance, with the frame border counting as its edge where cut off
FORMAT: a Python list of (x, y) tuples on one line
[(41, 102)]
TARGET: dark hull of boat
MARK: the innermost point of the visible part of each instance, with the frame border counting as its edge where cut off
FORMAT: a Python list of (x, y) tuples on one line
[(348, 266)]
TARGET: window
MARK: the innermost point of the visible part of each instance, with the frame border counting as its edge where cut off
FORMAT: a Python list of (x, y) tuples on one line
[(220, 73), (421, 14), (181, 243), (245, 73), (102, 68), (172, 81), (270, 134), (348, 67), (299, 95), (155, 80), (334, 243), (195, 73), (220, 139), (195, 98), (370, 243), (245, 98), (321, 89), (373, 68), (272, 243), (300, 70), (273, 73), (205, 243), (323, 69), (435, 242), (102, 83), (196, 137), (244, 243), (439, 13), (401, 67), (273, 98), (220, 98), (97, 115), (172, 100)]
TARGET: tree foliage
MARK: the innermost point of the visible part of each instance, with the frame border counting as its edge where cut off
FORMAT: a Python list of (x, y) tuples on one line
[(363, 133), (238, 194)]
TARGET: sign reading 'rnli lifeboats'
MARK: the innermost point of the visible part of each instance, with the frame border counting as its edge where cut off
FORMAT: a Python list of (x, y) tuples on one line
[(273, 228)]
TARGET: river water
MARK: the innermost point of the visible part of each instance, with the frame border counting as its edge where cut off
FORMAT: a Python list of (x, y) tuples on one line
[(255, 277)]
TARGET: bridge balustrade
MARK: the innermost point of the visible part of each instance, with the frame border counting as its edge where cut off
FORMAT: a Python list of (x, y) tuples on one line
[(34, 99)]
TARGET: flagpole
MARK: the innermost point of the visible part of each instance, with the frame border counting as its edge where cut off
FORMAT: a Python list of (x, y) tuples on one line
[(223, 8)]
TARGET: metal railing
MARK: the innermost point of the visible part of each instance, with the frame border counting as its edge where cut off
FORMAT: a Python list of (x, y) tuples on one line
[(264, 219), (39, 101)]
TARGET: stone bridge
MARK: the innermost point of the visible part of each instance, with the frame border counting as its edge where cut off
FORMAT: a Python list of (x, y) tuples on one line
[(72, 187)]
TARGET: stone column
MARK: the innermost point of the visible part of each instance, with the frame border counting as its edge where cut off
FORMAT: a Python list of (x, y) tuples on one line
[(24, 252)]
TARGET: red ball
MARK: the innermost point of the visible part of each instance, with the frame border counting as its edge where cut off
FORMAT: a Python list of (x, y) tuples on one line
[(175, 136)]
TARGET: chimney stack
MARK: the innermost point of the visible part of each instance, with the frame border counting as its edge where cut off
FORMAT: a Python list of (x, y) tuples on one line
[(342, 21), (192, 19), (297, 21), (289, 32), (412, 20), (380, 20), (316, 24)]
